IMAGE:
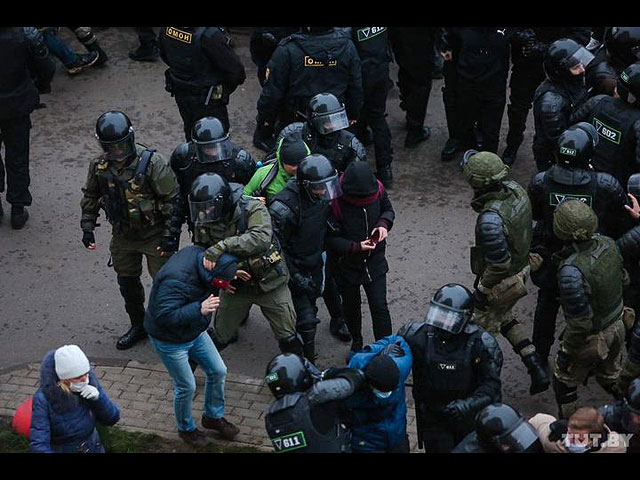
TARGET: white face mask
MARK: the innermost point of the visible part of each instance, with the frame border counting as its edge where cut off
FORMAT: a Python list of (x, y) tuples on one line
[(380, 394), (575, 448), (78, 386)]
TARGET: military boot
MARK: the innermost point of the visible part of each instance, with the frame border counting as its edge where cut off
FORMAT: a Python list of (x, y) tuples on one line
[(539, 377), (416, 136), (449, 151), (339, 329), (133, 336), (145, 53), (509, 155), (385, 175), (19, 216), (308, 336), (132, 291)]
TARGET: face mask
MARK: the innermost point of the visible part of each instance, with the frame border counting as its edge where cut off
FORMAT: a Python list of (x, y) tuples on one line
[(78, 386), (380, 394), (575, 448)]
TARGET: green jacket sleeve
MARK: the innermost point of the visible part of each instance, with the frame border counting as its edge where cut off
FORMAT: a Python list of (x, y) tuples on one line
[(90, 202), (255, 181)]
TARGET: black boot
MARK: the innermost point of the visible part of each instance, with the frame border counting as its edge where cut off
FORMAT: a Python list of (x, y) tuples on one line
[(102, 55), (19, 217), (339, 329), (385, 175), (449, 151), (145, 53), (308, 342), (133, 336), (509, 155), (416, 136), (132, 291), (539, 378)]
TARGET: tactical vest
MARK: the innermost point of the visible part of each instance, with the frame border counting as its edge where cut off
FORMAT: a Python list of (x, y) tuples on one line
[(128, 200), (189, 69), (291, 430), (305, 247), (515, 211), (372, 44), (601, 266), (615, 152), (339, 152), (444, 376), (600, 74)]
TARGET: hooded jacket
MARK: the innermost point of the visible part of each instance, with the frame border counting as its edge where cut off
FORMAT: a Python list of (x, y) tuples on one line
[(379, 424), (306, 64), (65, 423), (179, 288)]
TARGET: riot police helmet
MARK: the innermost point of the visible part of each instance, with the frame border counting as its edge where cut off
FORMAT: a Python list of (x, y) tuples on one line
[(326, 114), (563, 56), (450, 308), (501, 429), (115, 134), (628, 84), (210, 199), (212, 141), (633, 185), (631, 410), (318, 178), (623, 44), (243, 167), (576, 145), (288, 373)]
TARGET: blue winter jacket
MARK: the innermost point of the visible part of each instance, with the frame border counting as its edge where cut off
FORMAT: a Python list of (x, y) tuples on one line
[(63, 422), (379, 424), (179, 288)]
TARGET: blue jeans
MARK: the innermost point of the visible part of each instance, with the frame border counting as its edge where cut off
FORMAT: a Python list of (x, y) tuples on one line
[(58, 48), (175, 357)]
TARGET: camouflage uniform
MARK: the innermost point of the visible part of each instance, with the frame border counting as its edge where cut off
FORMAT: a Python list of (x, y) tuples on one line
[(590, 283), (143, 209)]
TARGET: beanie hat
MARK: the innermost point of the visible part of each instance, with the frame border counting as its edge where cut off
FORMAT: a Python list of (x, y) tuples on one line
[(359, 180), (382, 373), (292, 149), (70, 362)]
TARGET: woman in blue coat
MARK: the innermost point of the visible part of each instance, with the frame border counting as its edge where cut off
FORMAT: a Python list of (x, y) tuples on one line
[(68, 404), (378, 416)]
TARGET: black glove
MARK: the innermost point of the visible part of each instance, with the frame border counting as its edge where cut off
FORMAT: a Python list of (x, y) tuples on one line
[(563, 361), (558, 429), (534, 49), (269, 39), (305, 283), (457, 409), (480, 300), (393, 349), (88, 238), (169, 244)]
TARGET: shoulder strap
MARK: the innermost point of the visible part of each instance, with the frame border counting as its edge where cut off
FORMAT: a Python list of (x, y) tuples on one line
[(243, 221), (142, 167), (269, 177)]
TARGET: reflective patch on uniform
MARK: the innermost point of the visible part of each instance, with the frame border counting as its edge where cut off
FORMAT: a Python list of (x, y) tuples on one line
[(311, 62), (607, 132), (273, 377), (367, 33), (293, 441), (568, 151), (556, 198), (625, 77), (449, 367), (178, 34)]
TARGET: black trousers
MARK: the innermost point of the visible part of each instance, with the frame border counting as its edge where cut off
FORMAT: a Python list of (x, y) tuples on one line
[(547, 306), (376, 89), (449, 97), (522, 85), (14, 134), (482, 103), (192, 109), (304, 302), (414, 92), (376, 297), (146, 36)]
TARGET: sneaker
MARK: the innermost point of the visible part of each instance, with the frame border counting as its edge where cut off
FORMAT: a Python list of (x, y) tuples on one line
[(144, 54), (227, 430), (84, 61), (19, 217), (195, 437)]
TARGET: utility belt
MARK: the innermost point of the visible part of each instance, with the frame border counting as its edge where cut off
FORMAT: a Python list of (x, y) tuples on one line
[(214, 92), (260, 266)]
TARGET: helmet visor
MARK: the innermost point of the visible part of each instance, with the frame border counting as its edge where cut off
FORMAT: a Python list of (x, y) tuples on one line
[(445, 318), (325, 189), (522, 439), (331, 122), (582, 55), (207, 212), (120, 150), (211, 152)]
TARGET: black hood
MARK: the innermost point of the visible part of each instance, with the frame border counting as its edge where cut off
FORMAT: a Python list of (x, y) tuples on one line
[(359, 180)]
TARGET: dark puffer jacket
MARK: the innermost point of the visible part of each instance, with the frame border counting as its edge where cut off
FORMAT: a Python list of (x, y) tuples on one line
[(65, 423), (353, 217), (179, 288)]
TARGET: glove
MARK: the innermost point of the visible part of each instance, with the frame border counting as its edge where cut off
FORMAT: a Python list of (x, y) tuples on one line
[(88, 238), (563, 361), (480, 300), (305, 283), (89, 392), (269, 39), (558, 429), (393, 349), (457, 409), (169, 244), (534, 49)]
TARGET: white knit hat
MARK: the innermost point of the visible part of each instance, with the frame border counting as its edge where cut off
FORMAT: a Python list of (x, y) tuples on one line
[(70, 362)]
